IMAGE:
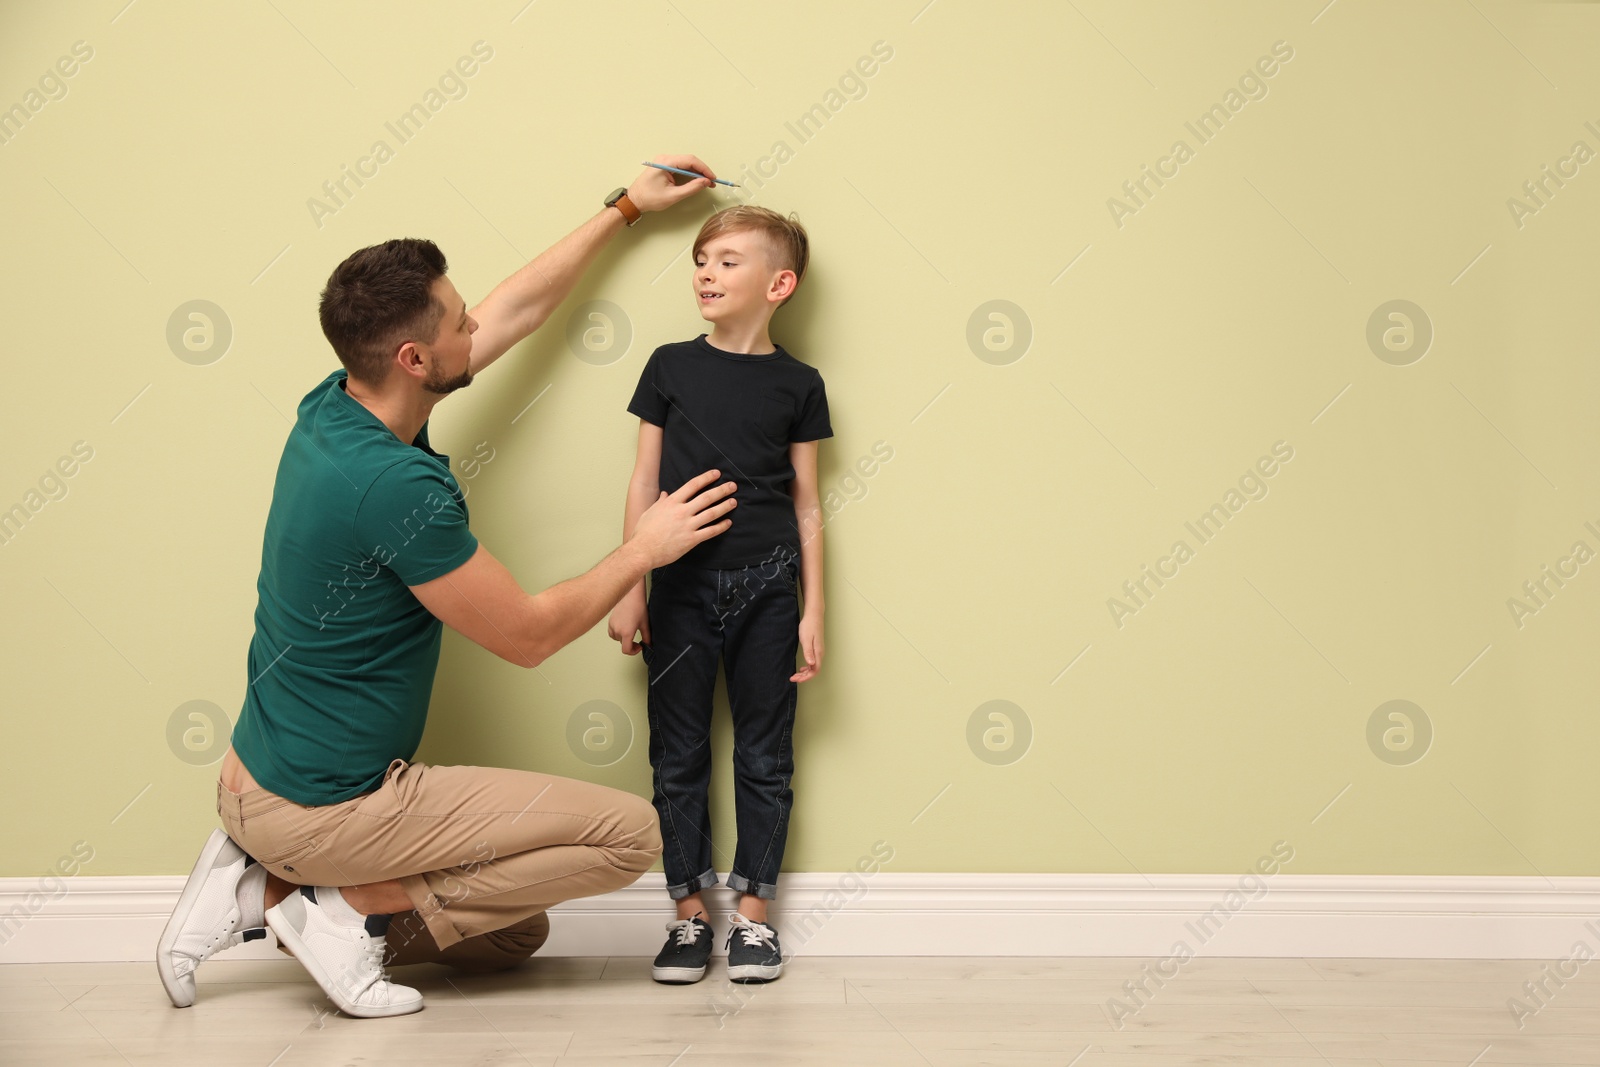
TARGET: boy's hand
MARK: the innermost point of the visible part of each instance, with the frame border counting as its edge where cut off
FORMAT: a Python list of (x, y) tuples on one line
[(627, 618), (657, 189), (811, 647)]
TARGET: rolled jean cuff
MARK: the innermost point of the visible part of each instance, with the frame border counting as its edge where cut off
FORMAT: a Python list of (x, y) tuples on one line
[(704, 880), (740, 884)]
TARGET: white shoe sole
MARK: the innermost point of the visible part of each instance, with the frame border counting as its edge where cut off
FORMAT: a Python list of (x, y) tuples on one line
[(290, 939), (754, 972), (677, 975), (216, 844)]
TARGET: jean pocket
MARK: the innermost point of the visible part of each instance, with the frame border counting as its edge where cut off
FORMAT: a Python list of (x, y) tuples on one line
[(276, 844), (784, 571)]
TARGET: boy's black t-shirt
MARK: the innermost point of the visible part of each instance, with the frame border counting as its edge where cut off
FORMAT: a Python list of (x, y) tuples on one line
[(735, 413)]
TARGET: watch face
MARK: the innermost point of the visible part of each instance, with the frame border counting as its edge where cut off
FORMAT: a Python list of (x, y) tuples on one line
[(615, 196)]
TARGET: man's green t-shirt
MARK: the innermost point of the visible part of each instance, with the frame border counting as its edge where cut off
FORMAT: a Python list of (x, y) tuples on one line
[(342, 662)]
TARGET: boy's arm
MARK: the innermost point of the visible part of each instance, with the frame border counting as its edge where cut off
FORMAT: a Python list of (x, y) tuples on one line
[(632, 613), (808, 516), (645, 485)]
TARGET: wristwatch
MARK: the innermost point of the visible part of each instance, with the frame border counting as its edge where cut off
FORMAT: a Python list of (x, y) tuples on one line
[(619, 200)]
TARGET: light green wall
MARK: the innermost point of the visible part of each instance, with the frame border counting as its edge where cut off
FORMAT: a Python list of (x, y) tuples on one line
[(1228, 313)]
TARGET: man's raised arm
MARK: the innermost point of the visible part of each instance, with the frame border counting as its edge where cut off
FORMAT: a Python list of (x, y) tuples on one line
[(520, 304)]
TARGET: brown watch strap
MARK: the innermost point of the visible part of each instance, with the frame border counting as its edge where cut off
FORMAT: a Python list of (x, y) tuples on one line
[(629, 212)]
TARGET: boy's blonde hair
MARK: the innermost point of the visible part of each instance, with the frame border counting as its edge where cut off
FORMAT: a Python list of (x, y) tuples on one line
[(787, 245)]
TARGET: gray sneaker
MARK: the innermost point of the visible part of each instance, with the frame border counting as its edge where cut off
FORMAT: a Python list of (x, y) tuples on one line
[(683, 958), (753, 952)]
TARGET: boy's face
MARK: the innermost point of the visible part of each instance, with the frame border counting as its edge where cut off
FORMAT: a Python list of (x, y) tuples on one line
[(735, 281)]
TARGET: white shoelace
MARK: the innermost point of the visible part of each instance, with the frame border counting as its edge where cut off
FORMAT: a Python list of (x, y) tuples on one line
[(221, 938), (688, 930), (369, 974), (754, 933), (373, 953), (227, 937)]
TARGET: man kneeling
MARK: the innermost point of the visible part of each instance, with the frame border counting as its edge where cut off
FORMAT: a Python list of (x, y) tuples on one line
[(354, 856)]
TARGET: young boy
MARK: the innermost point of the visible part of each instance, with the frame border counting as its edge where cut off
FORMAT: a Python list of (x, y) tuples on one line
[(734, 401)]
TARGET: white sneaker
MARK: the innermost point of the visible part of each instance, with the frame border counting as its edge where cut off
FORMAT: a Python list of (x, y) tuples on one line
[(345, 958), (208, 917)]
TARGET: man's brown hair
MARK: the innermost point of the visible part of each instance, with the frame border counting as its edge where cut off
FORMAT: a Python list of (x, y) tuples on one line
[(378, 298), (787, 245)]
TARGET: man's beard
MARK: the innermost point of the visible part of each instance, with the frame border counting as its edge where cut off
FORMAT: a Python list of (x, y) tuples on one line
[(444, 386)]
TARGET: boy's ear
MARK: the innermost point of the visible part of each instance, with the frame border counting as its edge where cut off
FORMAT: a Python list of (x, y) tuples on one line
[(784, 284)]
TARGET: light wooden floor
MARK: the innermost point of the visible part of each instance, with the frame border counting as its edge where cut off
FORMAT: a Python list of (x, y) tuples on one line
[(934, 1011)]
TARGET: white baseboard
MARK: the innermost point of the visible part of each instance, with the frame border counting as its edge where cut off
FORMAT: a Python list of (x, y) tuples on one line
[(95, 918)]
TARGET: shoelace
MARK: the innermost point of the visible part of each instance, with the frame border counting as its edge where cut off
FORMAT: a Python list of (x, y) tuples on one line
[(372, 958), (688, 930), (370, 974), (754, 933), (225, 938)]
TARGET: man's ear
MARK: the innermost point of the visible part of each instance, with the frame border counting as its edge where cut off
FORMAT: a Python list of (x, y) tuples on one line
[(408, 359)]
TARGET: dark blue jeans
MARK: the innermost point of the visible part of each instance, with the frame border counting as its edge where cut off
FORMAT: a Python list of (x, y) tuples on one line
[(750, 618)]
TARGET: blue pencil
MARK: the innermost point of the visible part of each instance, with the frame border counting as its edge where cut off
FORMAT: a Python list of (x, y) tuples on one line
[(689, 173)]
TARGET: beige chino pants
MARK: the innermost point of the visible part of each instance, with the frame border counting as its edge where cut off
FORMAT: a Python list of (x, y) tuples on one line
[(481, 852)]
